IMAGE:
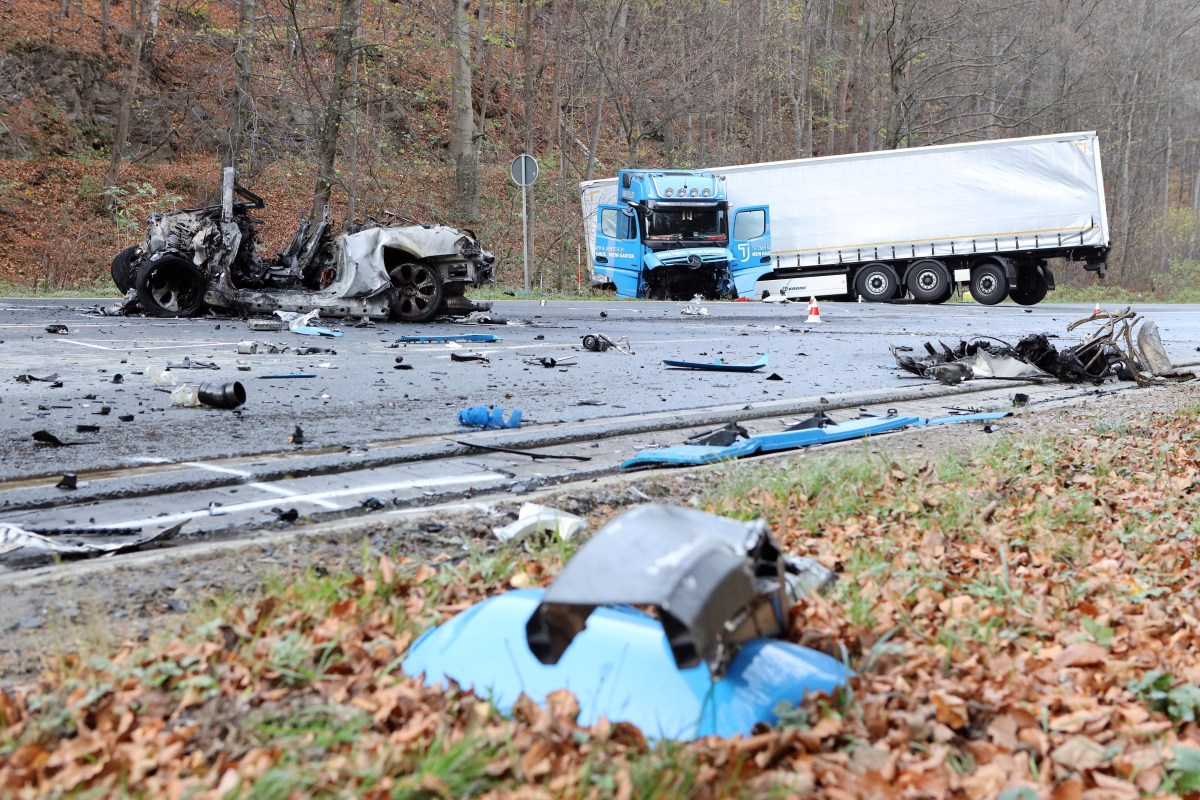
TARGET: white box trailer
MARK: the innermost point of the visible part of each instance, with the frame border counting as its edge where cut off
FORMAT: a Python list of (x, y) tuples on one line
[(881, 224)]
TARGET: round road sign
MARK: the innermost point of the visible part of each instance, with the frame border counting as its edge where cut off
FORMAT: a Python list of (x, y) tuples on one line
[(524, 170)]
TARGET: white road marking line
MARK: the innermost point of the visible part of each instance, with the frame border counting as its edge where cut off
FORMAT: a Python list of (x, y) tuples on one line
[(271, 488), (315, 497), (85, 344), (241, 473)]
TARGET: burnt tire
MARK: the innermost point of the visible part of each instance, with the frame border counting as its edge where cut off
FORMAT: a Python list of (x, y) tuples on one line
[(421, 292), (877, 283), (989, 284), (1031, 287), (170, 286), (928, 281), (124, 270)]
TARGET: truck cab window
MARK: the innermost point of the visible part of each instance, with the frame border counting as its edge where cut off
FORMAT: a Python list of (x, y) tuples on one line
[(749, 224), (608, 222), (615, 224), (686, 223)]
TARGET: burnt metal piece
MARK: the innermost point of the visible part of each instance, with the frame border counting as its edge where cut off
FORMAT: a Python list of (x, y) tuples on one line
[(714, 582)]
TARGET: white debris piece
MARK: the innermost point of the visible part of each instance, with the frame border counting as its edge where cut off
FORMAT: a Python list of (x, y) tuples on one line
[(534, 518)]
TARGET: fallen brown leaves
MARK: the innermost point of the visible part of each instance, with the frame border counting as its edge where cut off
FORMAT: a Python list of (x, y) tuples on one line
[(1003, 620)]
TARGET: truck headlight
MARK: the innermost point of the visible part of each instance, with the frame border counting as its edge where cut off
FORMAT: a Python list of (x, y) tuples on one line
[(669, 192)]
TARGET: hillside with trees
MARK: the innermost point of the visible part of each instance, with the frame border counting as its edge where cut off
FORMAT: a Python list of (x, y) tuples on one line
[(116, 108)]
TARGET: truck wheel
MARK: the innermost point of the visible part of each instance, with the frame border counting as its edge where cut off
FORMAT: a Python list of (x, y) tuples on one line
[(420, 292), (1031, 287), (928, 281), (988, 284), (124, 272), (877, 283), (170, 286)]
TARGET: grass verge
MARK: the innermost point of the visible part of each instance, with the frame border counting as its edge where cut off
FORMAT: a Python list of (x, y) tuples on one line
[(1022, 621)]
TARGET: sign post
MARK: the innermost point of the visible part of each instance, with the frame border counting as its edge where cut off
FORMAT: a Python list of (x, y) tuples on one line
[(524, 171)]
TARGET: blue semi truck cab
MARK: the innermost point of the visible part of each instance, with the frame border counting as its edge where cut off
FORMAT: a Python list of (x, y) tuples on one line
[(671, 235)]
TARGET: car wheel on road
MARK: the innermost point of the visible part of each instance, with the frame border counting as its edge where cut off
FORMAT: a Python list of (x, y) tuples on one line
[(124, 272), (420, 292), (170, 286)]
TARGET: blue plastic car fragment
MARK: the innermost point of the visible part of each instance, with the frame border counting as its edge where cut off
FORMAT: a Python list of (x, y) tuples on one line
[(693, 455), (619, 667), (463, 337), (313, 330), (489, 417), (984, 416), (719, 365)]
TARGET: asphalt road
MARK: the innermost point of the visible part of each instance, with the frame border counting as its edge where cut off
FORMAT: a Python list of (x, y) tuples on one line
[(357, 397)]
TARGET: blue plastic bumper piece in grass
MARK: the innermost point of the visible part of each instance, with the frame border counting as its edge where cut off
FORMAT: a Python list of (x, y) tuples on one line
[(694, 454), (621, 668)]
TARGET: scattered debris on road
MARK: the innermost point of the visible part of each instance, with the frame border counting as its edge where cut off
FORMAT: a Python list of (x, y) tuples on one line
[(16, 541), (719, 365), (1108, 353), (459, 337), (488, 417), (600, 342), (57, 328), (482, 359), (536, 456)]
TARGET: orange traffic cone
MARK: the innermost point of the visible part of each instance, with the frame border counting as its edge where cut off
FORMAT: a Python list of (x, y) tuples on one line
[(814, 313), (1096, 311)]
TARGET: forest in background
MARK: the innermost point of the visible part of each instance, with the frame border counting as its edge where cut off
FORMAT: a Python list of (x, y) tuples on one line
[(117, 108)]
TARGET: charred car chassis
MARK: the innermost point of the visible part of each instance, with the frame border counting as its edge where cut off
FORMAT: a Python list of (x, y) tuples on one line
[(208, 257)]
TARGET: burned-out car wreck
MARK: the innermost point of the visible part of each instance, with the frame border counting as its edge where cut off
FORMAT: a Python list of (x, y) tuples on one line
[(201, 258)]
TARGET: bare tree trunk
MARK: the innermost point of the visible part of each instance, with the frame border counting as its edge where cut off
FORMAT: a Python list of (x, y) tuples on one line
[(131, 83), (348, 21), (463, 146), (239, 108), (104, 24)]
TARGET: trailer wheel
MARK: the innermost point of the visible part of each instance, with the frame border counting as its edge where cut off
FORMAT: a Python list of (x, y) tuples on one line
[(1031, 286), (877, 282), (928, 281), (170, 286), (420, 292), (988, 284)]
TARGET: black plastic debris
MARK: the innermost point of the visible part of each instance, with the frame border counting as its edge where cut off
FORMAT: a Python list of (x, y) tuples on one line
[(1020, 399), (118, 378), (721, 437), (287, 516), (27, 378), (46, 437), (57, 328), (817, 420), (297, 436), (599, 343), (516, 452), (373, 504), (222, 395), (69, 481), (103, 412), (188, 363), (87, 428), (470, 357), (126, 418), (774, 376)]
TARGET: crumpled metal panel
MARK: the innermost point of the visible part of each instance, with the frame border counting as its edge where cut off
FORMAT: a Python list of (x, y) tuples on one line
[(716, 583), (620, 668)]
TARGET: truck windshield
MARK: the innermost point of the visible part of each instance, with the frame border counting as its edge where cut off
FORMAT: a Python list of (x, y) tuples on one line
[(686, 223)]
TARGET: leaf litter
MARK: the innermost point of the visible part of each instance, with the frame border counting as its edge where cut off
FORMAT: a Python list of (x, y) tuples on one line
[(1023, 623)]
